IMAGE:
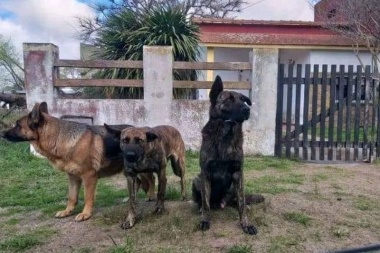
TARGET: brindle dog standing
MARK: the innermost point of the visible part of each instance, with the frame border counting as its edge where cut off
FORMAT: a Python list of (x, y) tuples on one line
[(220, 182), (146, 150), (84, 152)]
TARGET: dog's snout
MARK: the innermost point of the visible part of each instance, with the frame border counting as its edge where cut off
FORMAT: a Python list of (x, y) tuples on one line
[(131, 156), (245, 111)]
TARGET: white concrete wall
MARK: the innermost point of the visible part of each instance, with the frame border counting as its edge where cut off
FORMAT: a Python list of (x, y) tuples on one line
[(158, 106), (346, 57)]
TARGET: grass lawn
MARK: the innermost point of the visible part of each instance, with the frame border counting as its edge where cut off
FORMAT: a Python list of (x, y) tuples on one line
[(308, 208)]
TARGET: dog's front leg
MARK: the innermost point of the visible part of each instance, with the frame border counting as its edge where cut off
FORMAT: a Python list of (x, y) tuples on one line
[(89, 180), (130, 221), (238, 181), (74, 186), (205, 193), (161, 189)]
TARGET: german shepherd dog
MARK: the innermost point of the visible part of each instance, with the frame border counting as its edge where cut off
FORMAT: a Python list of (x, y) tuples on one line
[(84, 152), (220, 182), (146, 150)]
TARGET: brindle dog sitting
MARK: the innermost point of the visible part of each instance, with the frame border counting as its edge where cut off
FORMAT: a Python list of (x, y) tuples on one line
[(146, 150), (220, 182)]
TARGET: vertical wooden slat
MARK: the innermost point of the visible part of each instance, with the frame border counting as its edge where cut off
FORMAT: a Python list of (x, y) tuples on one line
[(280, 105), (377, 101), (366, 111), (350, 83), (305, 128), (323, 114), (297, 128), (373, 119), (289, 103), (332, 112), (357, 111), (314, 112), (340, 114)]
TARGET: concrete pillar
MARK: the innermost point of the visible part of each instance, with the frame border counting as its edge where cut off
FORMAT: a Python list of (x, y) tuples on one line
[(39, 73), (158, 84), (264, 98)]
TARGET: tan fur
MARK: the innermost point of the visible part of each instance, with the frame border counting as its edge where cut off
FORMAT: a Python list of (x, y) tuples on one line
[(74, 148), (146, 150)]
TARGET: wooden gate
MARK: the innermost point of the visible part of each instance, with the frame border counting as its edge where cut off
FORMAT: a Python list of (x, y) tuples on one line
[(331, 114)]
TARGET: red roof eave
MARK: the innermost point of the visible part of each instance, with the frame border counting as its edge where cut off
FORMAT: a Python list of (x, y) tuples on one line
[(259, 32)]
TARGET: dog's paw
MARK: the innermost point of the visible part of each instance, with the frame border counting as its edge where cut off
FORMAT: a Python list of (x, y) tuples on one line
[(62, 214), (204, 225), (249, 229), (127, 224), (129, 221), (82, 217)]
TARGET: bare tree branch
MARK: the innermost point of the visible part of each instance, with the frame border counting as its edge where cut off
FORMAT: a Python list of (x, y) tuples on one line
[(10, 66), (359, 21)]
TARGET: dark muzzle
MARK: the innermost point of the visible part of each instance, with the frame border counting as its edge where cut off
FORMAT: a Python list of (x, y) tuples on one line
[(245, 112), (131, 156)]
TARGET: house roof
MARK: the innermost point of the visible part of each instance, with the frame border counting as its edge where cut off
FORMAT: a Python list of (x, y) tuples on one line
[(263, 32)]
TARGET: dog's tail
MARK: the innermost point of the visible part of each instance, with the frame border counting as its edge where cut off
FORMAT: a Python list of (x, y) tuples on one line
[(254, 199)]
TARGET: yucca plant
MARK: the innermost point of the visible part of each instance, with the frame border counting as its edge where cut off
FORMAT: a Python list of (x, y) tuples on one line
[(124, 34)]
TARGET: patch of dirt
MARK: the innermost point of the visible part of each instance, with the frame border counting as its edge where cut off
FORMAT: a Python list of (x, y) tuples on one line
[(341, 200)]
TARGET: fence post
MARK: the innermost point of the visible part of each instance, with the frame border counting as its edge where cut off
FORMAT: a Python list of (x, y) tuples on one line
[(39, 73), (263, 96), (158, 84)]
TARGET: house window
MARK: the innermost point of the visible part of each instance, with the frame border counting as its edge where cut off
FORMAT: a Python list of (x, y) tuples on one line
[(331, 13)]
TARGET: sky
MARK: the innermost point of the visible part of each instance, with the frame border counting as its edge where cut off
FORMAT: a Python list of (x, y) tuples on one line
[(55, 21)]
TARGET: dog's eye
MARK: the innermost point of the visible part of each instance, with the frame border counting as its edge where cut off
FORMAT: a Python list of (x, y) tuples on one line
[(126, 140), (139, 141)]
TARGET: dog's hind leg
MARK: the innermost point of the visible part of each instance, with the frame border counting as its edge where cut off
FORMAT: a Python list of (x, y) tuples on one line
[(89, 180), (205, 210), (74, 186), (240, 197), (178, 166), (147, 184), (196, 192)]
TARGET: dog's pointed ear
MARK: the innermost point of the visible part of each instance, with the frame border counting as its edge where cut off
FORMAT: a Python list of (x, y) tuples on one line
[(246, 99), (216, 89), (35, 116), (44, 107), (115, 132), (151, 136)]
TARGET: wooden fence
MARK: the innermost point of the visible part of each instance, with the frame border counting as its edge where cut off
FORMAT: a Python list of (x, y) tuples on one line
[(330, 115), (104, 64)]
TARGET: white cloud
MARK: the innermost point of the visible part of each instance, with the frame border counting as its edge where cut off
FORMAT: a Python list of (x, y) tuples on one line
[(48, 21)]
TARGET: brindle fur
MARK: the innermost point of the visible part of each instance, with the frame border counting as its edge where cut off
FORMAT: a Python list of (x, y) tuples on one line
[(146, 150), (221, 180), (84, 152)]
